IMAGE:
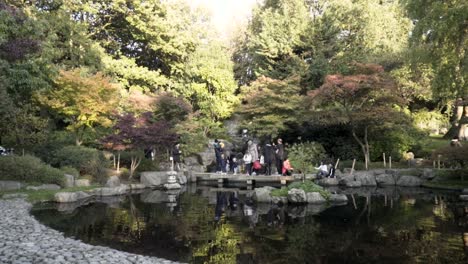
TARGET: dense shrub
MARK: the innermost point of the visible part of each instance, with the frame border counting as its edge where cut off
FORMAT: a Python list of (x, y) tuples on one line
[(71, 171), (303, 156), (29, 169), (55, 141), (85, 160), (454, 157)]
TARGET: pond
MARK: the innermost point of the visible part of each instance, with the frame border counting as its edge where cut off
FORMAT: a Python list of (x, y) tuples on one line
[(211, 225)]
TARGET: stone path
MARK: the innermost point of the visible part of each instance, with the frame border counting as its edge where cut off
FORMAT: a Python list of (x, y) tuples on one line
[(24, 240)]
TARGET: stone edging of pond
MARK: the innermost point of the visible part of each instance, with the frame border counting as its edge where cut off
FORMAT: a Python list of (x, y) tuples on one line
[(24, 240)]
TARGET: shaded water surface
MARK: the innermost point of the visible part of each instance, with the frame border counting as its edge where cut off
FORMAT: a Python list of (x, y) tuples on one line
[(209, 225)]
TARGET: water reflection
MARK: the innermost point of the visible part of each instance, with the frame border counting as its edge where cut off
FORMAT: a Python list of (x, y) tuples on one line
[(215, 225)]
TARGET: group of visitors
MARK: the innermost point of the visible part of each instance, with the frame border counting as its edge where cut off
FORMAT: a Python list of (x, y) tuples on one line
[(255, 160)]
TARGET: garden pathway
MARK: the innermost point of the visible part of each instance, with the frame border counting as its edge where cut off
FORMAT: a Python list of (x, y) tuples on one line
[(24, 240)]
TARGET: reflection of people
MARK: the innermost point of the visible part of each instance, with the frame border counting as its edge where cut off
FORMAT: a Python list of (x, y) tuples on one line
[(250, 213), (233, 200), (221, 203), (276, 215), (323, 170)]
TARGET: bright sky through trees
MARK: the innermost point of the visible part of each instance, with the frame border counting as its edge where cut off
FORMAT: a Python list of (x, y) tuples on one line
[(226, 14)]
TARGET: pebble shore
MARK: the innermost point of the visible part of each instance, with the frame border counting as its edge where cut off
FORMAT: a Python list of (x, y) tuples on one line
[(24, 240)]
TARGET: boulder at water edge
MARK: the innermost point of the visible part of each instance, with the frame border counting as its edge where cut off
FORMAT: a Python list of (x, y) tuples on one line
[(297, 196), (113, 181), (153, 178), (366, 179), (315, 198), (328, 182), (385, 180), (338, 198), (70, 197), (262, 195), (10, 185), (409, 181)]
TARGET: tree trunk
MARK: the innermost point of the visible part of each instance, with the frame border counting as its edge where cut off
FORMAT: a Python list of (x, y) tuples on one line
[(364, 145), (135, 162), (459, 122), (118, 161)]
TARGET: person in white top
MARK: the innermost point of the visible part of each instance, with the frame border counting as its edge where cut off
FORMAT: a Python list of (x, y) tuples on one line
[(323, 170), (248, 163)]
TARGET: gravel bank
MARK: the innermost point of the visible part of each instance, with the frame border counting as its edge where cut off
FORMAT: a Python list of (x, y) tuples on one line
[(24, 240)]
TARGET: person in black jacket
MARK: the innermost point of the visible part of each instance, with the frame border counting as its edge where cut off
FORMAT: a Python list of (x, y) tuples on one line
[(269, 156), (176, 154), (279, 156)]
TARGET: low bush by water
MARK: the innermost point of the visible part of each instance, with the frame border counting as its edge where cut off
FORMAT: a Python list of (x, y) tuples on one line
[(29, 169)]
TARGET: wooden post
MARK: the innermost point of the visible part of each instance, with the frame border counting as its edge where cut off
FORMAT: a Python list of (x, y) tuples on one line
[(384, 161), (438, 162), (433, 164), (336, 164), (390, 162), (352, 167)]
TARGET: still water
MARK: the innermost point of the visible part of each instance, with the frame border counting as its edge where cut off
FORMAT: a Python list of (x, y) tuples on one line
[(210, 225)]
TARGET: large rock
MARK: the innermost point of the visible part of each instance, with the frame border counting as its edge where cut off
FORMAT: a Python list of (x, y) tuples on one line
[(153, 178), (69, 180), (328, 182), (111, 191), (410, 181), (182, 179), (297, 196), (113, 181), (338, 198), (10, 185), (279, 199), (428, 174), (315, 198), (44, 187), (70, 197), (262, 195), (366, 178), (464, 197), (465, 191), (82, 183), (385, 180)]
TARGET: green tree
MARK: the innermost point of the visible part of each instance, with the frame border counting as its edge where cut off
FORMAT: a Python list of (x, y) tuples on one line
[(83, 102), (364, 101), (269, 105)]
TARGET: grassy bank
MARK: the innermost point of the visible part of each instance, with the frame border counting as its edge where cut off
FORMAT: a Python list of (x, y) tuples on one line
[(46, 195)]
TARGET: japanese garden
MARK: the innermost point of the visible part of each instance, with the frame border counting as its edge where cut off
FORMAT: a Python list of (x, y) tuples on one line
[(223, 131)]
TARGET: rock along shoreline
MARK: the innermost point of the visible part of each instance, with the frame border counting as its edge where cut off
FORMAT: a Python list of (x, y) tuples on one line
[(24, 240)]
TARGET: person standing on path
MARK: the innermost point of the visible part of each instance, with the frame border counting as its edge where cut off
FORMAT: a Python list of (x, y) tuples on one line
[(218, 151), (279, 156), (269, 155), (176, 154)]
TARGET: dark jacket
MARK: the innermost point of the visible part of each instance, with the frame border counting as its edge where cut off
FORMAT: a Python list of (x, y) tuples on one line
[(280, 151), (176, 153), (269, 153)]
